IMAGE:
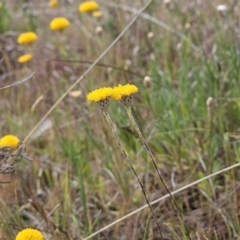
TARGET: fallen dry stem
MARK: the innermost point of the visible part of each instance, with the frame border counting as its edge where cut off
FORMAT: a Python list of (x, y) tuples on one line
[(154, 20), (86, 72), (162, 198), (18, 82)]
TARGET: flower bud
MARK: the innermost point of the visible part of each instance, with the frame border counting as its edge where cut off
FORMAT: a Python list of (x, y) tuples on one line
[(98, 30), (150, 35), (222, 8), (147, 82), (210, 102)]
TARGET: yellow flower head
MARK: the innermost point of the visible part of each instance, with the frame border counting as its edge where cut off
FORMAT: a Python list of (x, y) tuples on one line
[(97, 14), (123, 91), (100, 94), (29, 234), (75, 94), (53, 3), (25, 58), (27, 37), (88, 6), (9, 141), (58, 24)]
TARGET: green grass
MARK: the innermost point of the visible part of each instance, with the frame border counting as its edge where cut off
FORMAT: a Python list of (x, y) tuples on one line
[(77, 176)]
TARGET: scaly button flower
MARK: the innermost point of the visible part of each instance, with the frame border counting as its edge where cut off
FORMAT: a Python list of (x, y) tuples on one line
[(9, 141), (58, 24), (101, 97), (88, 6), (124, 93), (25, 58), (53, 3), (29, 234), (27, 37)]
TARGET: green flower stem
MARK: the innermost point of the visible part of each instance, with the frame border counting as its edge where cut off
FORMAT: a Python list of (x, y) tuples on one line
[(210, 160), (210, 135), (109, 120), (128, 109)]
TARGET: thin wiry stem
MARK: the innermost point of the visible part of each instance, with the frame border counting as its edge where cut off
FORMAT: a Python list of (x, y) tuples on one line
[(6, 223), (18, 82), (128, 109), (109, 120), (98, 64)]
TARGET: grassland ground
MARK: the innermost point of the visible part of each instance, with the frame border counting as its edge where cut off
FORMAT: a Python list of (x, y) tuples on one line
[(184, 58)]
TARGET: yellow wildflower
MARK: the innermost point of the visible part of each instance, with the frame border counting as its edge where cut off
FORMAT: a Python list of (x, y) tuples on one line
[(88, 6), (27, 37), (123, 91), (75, 94), (100, 94), (58, 24), (97, 14), (53, 3), (29, 234), (25, 58), (9, 141)]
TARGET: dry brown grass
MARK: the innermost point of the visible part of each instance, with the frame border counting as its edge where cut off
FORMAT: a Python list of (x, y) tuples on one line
[(77, 182)]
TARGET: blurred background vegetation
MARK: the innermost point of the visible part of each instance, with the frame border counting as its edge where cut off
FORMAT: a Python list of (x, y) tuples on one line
[(184, 58)]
